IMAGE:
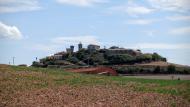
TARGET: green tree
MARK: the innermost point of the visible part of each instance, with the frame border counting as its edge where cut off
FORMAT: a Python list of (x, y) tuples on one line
[(144, 57), (156, 57), (73, 60), (157, 70), (120, 59), (171, 69)]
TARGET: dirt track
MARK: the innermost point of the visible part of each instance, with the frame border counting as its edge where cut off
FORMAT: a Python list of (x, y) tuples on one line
[(94, 96)]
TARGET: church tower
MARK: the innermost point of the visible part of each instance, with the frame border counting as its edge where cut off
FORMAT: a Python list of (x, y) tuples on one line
[(79, 46)]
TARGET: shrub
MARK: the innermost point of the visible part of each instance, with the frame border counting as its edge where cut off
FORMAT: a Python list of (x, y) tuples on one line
[(157, 70), (120, 59), (171, 69), (186, 71), (73, 60), (49, 63), (37, 64), (157, 57), (80, 54), (144, 57), (23, 65)]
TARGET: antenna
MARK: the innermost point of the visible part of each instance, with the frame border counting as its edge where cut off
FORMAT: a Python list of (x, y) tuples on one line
[(13, 60)]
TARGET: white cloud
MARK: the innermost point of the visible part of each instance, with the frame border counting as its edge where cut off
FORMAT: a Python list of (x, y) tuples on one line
[(133, 9), (140, 21), (76, 39), (84, 3), (150, 33), (171, 5), (178, 18), (8, 6), (137, 10), (160, 46), (11, 32), (180, 31)]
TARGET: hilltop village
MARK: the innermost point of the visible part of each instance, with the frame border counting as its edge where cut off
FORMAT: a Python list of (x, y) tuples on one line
[(94, 56)]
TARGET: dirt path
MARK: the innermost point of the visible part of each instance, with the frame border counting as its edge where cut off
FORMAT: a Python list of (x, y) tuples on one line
[(93, 96)]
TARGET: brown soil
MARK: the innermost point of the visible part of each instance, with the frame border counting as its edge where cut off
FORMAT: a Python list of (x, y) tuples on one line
[(93, 96), (95, 70)]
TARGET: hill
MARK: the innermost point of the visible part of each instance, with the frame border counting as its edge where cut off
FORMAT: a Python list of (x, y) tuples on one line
[(28, 86), (124, 61)]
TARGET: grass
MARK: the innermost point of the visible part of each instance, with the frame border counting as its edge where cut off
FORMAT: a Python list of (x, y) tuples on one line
[(14, 79)]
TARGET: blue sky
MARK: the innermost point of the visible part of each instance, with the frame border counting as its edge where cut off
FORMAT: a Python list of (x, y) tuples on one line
[(37, 28)]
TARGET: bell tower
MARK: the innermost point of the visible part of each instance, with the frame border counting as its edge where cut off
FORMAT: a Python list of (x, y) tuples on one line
[(79, 46)]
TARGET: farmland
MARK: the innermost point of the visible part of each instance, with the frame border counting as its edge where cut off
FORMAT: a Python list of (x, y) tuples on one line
[(28, 86)]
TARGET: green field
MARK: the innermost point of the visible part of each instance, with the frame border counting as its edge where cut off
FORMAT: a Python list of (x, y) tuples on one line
[(16, 80)]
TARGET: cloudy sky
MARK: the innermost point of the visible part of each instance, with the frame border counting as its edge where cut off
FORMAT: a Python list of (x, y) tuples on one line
[(37, 28)]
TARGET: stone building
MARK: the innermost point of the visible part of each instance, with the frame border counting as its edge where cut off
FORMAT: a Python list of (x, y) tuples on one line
[(92, 47), (68, 50), (79, 46), (58, 57), (72, 48)]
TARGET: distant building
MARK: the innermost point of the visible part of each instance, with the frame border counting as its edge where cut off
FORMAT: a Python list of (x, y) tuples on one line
[(68, 50), (58, 57), (72, 48), (60, 53), (79, 46), (48, 58), (92, 47)]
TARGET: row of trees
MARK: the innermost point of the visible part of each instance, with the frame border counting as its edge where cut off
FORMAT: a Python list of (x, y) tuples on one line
[(128, 59), (171, 69)]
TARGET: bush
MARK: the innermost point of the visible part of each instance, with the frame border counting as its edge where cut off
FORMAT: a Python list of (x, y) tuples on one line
[(121, 70), (37, 64), (157, 70), (80, 54), (144, 57), (98, 58), (120, 59), (171, 69), (157, 57), (23, 65), (49, 63), (73, 60), (186, 71)]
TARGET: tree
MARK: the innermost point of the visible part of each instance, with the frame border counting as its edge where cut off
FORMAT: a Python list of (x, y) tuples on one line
[(156, 57), (171, 69), (73, 60), (157, 70), (144, 57), (80, 54), (120, 59)]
